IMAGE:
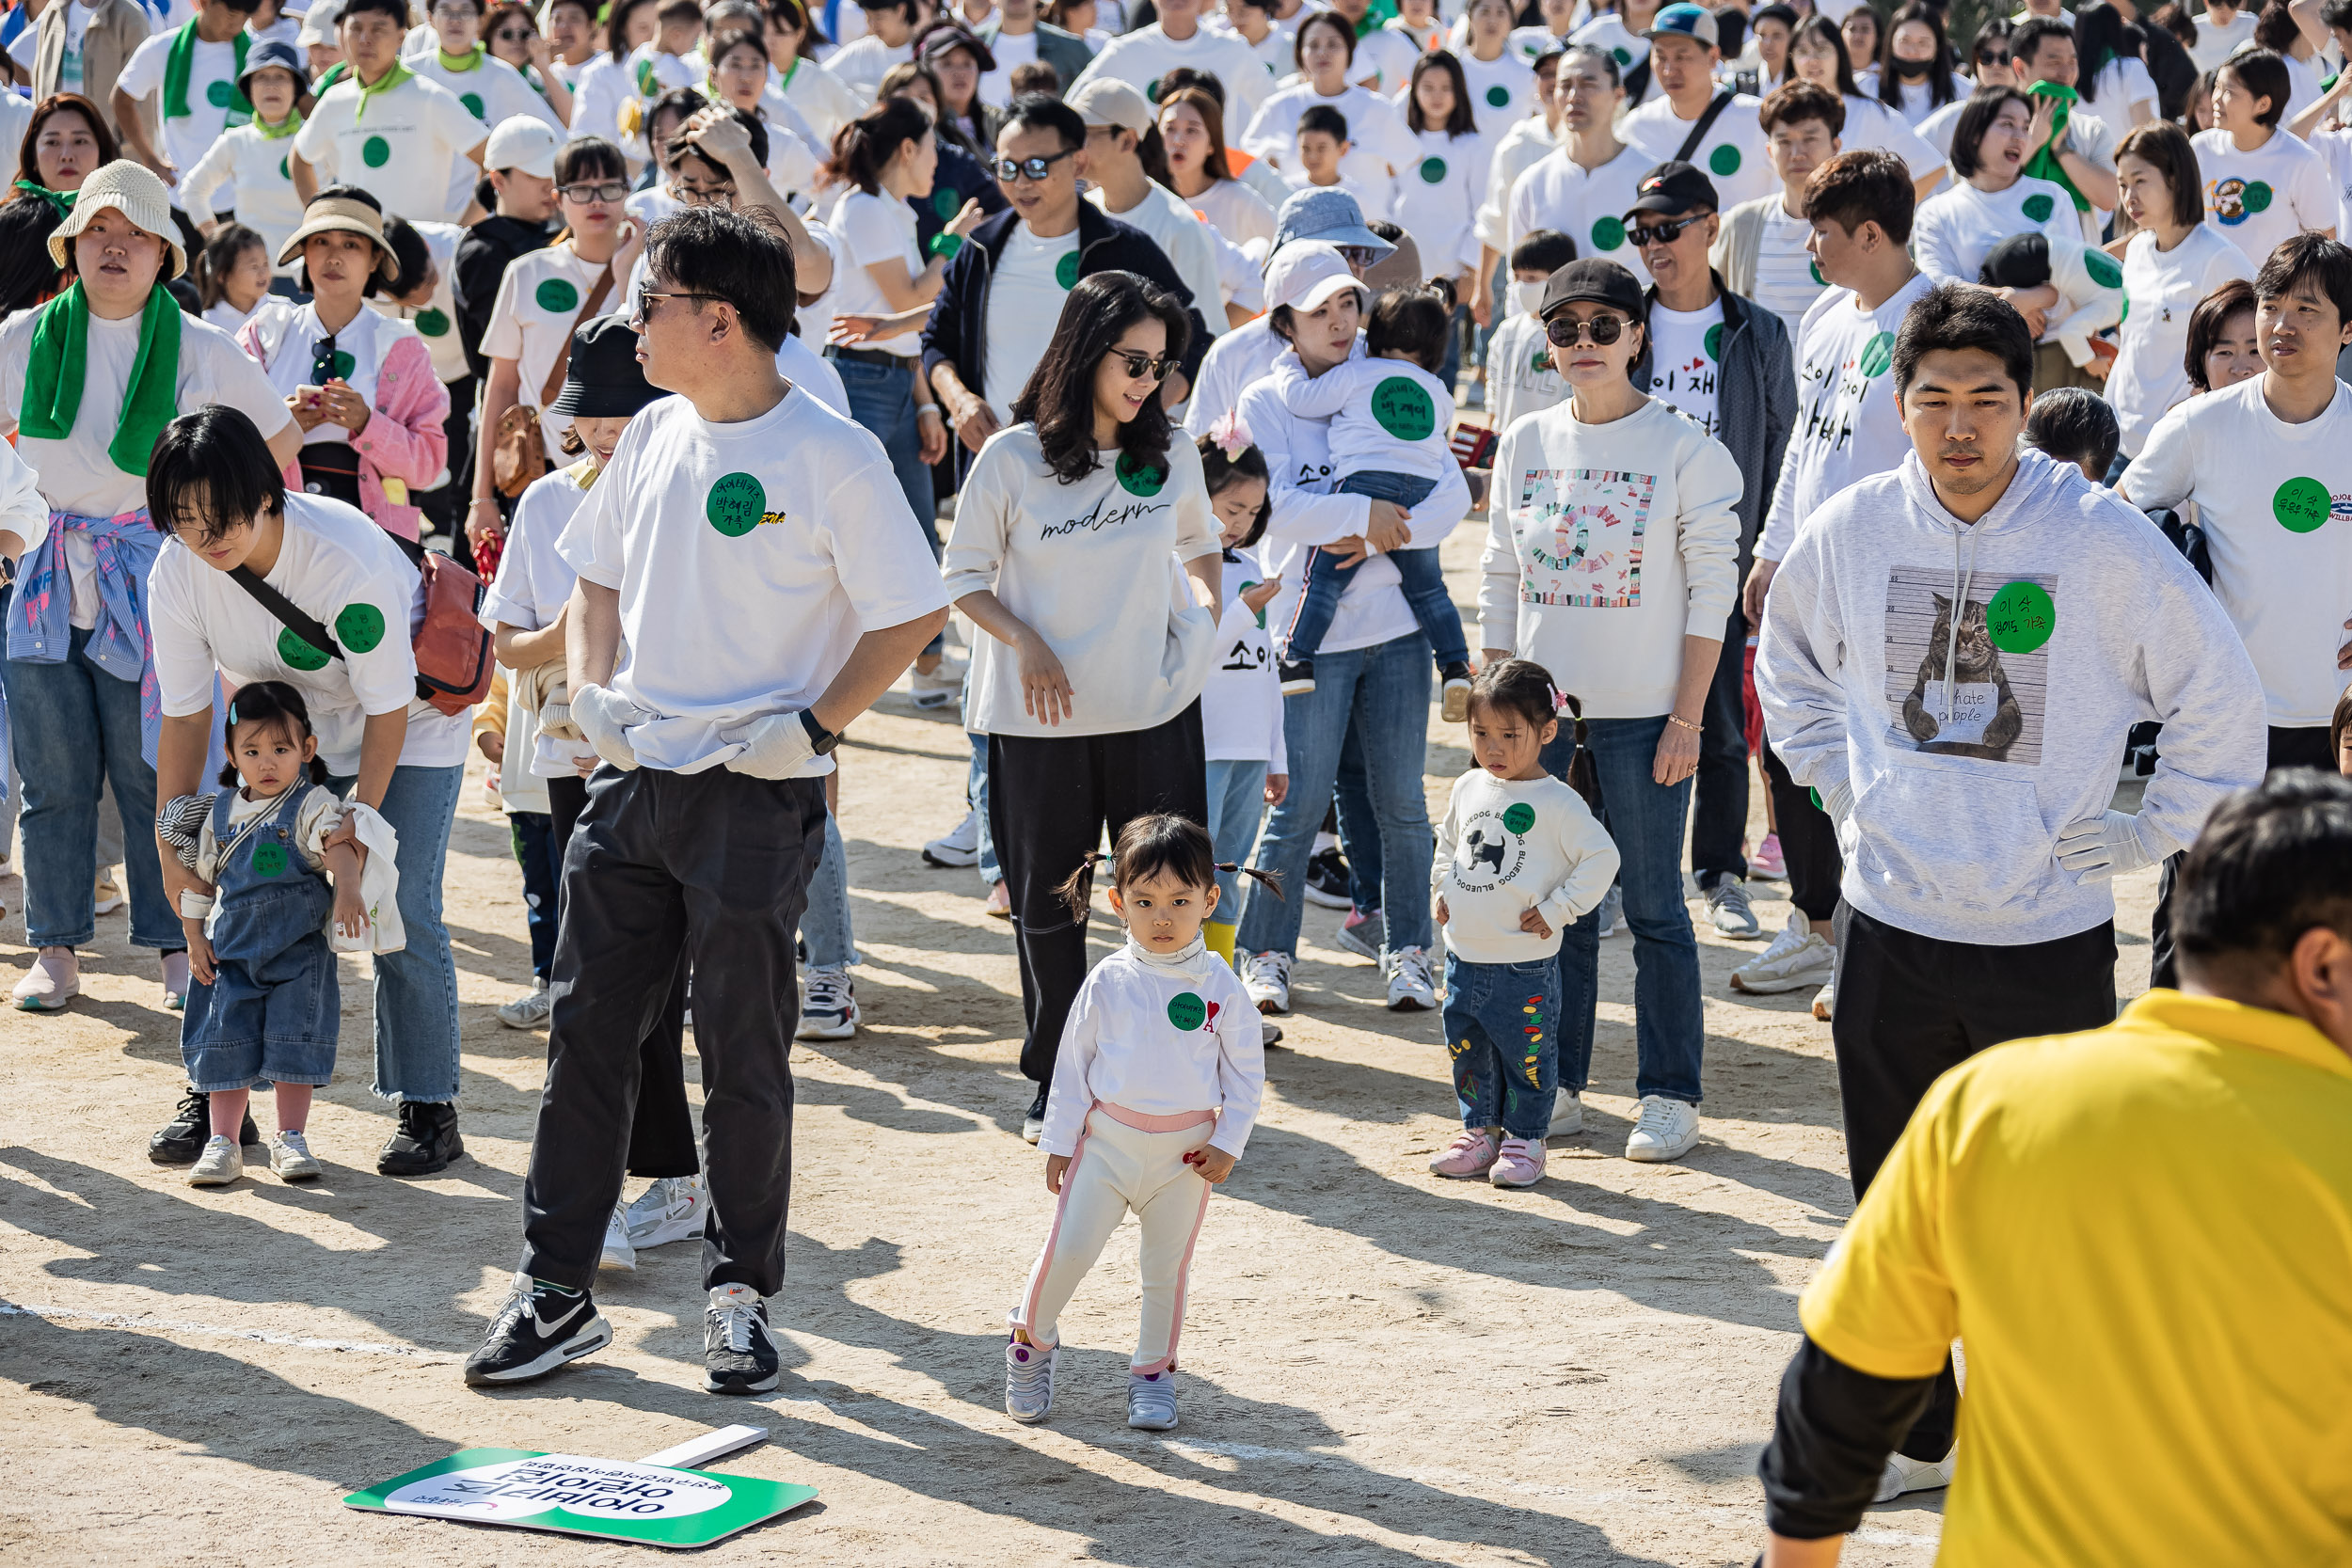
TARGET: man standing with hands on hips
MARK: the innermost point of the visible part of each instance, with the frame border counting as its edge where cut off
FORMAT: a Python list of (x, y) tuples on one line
[(754, 552)]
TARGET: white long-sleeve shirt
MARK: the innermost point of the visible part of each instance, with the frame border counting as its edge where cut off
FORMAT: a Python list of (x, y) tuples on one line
[(1163, 1036), (1506, 845), (1387, 416), (262, 191)]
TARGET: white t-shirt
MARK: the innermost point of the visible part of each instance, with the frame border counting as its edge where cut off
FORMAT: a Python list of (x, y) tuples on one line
[(2258, 199), (401, 146), (533, 585), (1241, 707), (211, 72), (1527, 143), (2215, 44), (1093, 568), (1685, 350), (1848, 425), (1437, 195), (1242, 216), (491, 89), (603, 87), (1787, 280), (1954, 232), (258, 171), (1233, 364), (540, 295), (749, 557), (825, 102), (290, 341), (1188, 244), (345, 572), (873, 228), (435, 321), (1373, 201), (1125, 1047), (1026, 292), (1916, 100), (1627, 48), (2335, 147), (1872, 126), (1387, 416), (2122, 83), (1376, 137), (1276, 51), (1533, 43), (812, 372), (1587, 206), (861, 63), (1009, 51), (2273, 498), (2160, 289), (1140, 58), (1732, 152), (1507, 845), (1521, 377), (1503, 93), (1384, 59)]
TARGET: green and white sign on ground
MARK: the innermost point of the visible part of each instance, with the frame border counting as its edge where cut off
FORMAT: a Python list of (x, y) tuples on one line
[(618, 1500)]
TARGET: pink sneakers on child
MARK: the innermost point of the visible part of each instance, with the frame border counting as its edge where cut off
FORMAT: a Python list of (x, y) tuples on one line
[(1520, 1165), (1470, 1154)]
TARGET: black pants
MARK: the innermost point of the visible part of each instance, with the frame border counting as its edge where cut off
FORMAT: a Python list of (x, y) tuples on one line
[(1808, 842), (1049, 801), (1719, 815), (660, 866), (1910, 1007), (446, 507), (2304, 747)]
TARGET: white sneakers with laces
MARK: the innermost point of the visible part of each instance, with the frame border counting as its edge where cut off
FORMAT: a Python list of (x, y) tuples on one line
[(618, 1252), (1266, 976), (672, 1209), (1669, 1129), (1410, 988), (291, 1160), (529, 1010), (828, 1006), (960, 846), (1798, 957), (222, 1163)]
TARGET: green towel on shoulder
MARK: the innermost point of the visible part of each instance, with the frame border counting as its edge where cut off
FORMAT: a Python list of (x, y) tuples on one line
[(179, 66), (2045, 164), (59, 359)]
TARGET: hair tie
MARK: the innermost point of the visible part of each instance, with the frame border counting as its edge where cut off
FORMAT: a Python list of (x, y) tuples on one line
[(1230, 435), (1558, 699)]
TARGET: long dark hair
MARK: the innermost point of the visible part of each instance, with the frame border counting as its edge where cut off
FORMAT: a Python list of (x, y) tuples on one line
[(1940, 68), (1060, 397), (218, 259), (277, 704), (1461, 122), (1212, 113), (2100, 37), (864, 147), (1332, 19), (1818, 25), (2205, 322), (616, 27)]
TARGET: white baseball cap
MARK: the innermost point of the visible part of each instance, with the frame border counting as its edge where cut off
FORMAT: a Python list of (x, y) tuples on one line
[(318, 22), (1304, 273), (524, 142)]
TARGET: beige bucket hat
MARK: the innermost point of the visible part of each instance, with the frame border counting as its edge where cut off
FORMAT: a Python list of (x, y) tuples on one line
[(331, 214), (134, 191)]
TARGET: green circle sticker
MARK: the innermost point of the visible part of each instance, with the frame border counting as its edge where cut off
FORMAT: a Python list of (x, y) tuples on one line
[(735, 504), (1608, 233), (1724, 160), (1498, 96), (2257, 197), (2126, 313), (1187, 1011), (218, 94), (285, 170), (1713, 341), (1066, 271), (473, 101), (556, 295), (2103, 269), (946, 203), (1432, 171), (946, 244), (1138, 478), (1876, 354), (343, 366), (296, 653), (432, 323), (1519, 817), (1814, 268), (1623, 56), (376, 153), (2039, 207), (1401, 408), (360, 628), (2300, 505), (1152, 89), (2020, 617), (269, 858)]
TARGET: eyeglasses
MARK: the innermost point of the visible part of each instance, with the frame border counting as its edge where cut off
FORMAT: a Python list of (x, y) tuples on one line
[(647, 296), (1564, 331), (704, 195), (1009, 170), (1660, 233), (1142, 367), (609, 190)]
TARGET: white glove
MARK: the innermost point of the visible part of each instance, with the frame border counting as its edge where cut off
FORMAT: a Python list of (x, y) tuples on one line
[(603, 715), (2099, 847), (1838, 800), (774, 747)]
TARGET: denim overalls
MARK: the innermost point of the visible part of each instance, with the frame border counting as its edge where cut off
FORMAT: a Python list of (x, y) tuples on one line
[(274, 1007)]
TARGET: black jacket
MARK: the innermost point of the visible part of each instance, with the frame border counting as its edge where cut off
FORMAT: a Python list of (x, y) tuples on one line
[(482, 256), (959, 179), (1755, 403)]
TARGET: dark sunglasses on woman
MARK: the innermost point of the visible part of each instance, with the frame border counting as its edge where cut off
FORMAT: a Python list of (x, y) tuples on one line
[(1564, 331)]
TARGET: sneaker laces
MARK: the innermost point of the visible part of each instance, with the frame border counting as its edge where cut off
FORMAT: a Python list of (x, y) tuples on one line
[(1730, 892), (1657, 1117), (517, 1304), (1270, 967), (828, 990), (734, 1318), (1413, 963), (295, 1142)]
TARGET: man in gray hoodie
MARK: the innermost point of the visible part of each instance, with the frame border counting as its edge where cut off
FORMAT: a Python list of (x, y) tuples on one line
[(1951, 654)]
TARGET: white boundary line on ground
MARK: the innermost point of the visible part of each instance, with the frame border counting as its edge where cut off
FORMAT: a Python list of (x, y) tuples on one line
[(148, 1324)]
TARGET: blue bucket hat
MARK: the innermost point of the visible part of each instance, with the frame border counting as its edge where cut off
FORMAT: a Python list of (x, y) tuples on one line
[(1330, 215)]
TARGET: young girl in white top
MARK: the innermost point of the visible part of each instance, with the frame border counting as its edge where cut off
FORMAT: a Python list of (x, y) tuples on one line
[(1437, 198), (1154, 1096), (232, 275), (1520, 858), (1241, 707)]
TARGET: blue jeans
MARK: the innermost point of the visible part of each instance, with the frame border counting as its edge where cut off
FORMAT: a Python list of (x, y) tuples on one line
[(1418, 571), (274, 1007), (73, 728), (1236, 797), (533, 840), (882, 398), (976, 794), (415, 989), (1670, 1031), (1380, 695), (1502, 1029), (825, 924)]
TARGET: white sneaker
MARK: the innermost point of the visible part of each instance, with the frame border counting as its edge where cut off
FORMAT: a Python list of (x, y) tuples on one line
[(1612, 912), (291, 1160), (1266, 976), (672, 1209), (221, 1162), (960, 846), (529, 1010), (828, 1006), (936, 690), (1729, 911), (1410, 989), (618, 1253), (1567, 1113), (1825, 1000), (1913, 1475), (1668, 1130), (1798, 957)]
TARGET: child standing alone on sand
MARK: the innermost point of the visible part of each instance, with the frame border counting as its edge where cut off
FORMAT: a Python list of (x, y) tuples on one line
[(1155, 1092)]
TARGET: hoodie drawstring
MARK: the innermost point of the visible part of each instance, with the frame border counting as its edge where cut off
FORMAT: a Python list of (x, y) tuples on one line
[(1961, 584)]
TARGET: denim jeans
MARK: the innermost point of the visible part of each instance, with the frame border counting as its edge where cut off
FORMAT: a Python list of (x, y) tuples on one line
[(1236, 798), (73, 728), (415, 989), (976, 795), (533, 840), (1502, 1029), (1358, 829), (1419, 576), (1670, 1031), (825, 924), (1381, 695), (882, 398)]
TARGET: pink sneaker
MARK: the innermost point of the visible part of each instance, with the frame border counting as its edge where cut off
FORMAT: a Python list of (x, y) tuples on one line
[(1768, 865), (1520, 1165), (1470, 1152)]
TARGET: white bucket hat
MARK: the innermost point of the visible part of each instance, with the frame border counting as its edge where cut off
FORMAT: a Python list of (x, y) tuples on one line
[(135, 192)]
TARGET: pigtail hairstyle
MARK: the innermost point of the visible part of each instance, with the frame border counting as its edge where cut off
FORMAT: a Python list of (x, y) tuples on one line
[(1524, 688), (276, 705), (1158, 845)]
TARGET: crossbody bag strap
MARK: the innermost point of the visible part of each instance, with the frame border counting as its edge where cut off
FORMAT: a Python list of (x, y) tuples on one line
[(1698, 133), (288, 613), (563, 355)]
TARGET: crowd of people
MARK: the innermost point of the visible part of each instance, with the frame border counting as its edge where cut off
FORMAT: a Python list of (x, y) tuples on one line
[(1945, 432)]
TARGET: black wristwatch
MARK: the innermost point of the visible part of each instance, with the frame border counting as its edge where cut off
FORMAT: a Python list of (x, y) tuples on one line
[(820, 739)]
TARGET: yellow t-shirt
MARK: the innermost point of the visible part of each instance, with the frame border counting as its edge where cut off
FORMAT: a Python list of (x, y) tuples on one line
[(2143, 1238)]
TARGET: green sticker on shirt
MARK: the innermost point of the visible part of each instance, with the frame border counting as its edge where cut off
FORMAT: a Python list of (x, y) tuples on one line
[(1519, 817), (2039, 207), (735, 504), (1713, 341), (1187, 1011), (1401, 407), (360, 628), (2256, 197), (1432, 171), (2020, 617), (1152, 89), (2103, 269), (1138, 478), (2300, 505), (269, 858), (1498, 96), (473, 101), (1608, 233), (296, 653), (376, 153), (433, 323), (1066, 271), (218, 94), (946, 202), (1724, 160), (285, 168), (1876, 354), (1622, 55), (556, 295)]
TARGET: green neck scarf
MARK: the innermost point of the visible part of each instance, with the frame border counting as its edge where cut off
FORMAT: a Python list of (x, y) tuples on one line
[(59, 359), (181, 62), (469, 61), (61, 201), (2045, 164), (285, 127), (335, 74), (648, 86), (391, 79)]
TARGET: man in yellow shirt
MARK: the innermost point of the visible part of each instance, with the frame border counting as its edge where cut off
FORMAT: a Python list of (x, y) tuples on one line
[(2143, 1237)]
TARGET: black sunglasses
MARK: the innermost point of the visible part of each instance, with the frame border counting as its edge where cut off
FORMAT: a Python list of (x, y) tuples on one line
[(1009, 169), (1142, 367), (1660, 233), (323, 361), (1564, 331)]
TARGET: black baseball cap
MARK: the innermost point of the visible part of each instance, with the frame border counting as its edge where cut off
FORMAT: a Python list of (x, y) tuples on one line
[(604, 379), (1596, 278), (1674, 187)]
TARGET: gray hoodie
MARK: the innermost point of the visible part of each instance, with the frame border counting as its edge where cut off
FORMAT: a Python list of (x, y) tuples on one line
[(1969, 741)]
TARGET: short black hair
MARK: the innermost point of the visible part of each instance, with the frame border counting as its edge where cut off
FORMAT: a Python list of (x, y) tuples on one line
[(2311, 258), (276, 705), (214, 465), (1964, 315), (2272, 863), (1041, 111), (2206, 322), (742, 258), (1600, 56), (2074, 425), (1865, 185), (2263, 73), (1191, 76), (1545, 250), (408, 249), (2335, 14), (586, 155), (2020, 262), (1412, 321), (396, 9), (753, 130), (2025, 43), (1321, 117), (1976, 117)]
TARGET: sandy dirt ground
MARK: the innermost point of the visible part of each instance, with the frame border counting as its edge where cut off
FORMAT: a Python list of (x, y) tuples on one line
[(1380, 1366)]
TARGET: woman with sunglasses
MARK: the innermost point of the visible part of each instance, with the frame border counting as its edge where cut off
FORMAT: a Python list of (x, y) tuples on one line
[(510, 35), (1086, 549), (360, 384)]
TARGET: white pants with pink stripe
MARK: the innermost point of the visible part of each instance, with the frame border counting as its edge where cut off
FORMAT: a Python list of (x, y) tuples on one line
[(1121, 1168)]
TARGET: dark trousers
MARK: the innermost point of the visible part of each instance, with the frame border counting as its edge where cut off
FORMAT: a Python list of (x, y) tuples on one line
[(1719, 815), (661, 866), (445, 508), (2304, 747), (534, 852), (1910, 1007), (1049, 801), (1808, 842)]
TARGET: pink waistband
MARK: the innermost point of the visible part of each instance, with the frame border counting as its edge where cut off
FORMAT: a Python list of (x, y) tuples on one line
[(1143, 1123)]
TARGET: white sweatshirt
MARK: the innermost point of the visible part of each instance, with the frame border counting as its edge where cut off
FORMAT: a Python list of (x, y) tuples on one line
[(1955, 231), (1162, 1037), (1506, 846), (1387, 416), (1969, 748)]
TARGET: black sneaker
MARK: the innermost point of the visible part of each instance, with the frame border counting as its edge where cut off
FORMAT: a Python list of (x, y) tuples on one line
[(179, 1141), (1327, 880), (1455, 680), (427, 1141), (1033, 1123), (739, 1353), (1297, 676), (538, 1329)]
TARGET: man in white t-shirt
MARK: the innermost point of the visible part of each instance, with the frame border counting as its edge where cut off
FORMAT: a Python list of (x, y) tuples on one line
[(1140, 58), (1765, 248), (1730, 145), (1583, 187), (1116, 121), (756, 554), (888, 41), (2224, 29), (185, 80), (384, 129)]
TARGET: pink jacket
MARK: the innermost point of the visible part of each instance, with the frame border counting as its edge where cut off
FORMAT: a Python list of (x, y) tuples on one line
[(404, 441)]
